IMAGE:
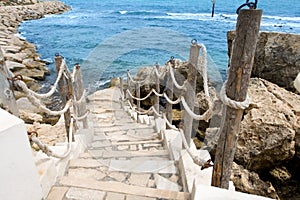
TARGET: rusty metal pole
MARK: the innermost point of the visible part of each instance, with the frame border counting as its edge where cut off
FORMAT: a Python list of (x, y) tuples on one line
[(191, 89), (241, 63)]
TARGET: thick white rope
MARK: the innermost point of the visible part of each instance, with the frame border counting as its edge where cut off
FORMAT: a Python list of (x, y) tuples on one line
[(180, 87), (156, 112), (231, 103), (82, 117), (25, 89), (37, 103), (149, 111), (44, 148), (205, 116), (156, 93), (170, 125), (133, 81), (170, 101), (203, 63), (159, 75), (82, 98)]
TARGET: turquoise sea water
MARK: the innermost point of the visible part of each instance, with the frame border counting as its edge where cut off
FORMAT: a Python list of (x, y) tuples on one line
[(108, 37)]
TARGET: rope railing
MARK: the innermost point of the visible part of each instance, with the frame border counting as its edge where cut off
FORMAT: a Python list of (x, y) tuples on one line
[(169, 71), (70, 86), (44, 148), (180, 87)]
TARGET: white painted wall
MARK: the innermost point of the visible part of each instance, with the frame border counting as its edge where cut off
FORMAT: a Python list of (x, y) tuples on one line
[(18, 173)]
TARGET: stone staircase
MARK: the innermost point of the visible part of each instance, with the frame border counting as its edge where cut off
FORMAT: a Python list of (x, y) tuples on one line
[(125, 160)]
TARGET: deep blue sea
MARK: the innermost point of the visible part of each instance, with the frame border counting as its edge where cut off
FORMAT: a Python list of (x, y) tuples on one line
[(109, 37)]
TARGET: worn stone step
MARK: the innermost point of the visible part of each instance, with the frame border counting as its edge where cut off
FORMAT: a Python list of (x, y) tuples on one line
[(143, 166), (127, 154), (117, 187), (76, 193), (57, 193), (88, 163)]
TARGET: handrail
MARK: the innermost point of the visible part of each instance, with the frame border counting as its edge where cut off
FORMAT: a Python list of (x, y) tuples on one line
[(74, 102)]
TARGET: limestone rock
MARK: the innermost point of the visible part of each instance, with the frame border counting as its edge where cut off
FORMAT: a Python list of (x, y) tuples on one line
[(14, 66), (268, 128), (276, 57), (280, 174), (267, 131), (249, 182)]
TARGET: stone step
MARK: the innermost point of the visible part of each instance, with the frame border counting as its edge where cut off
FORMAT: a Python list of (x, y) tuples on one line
[(125, 127), (122, 188), (143, 166), (122, 137), (105, 154)]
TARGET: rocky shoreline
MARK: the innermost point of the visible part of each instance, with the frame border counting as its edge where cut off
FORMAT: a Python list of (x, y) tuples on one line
[(21, 56), (268, 147)]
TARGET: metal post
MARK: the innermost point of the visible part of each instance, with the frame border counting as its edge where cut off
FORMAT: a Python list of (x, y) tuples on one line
[(241, 63)]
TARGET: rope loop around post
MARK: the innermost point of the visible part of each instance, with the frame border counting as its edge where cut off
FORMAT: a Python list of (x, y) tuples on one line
[(231, 103)]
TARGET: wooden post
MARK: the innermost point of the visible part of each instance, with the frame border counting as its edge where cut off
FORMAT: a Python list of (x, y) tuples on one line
[(138, 95), (121, 87), (65, 90), (129, 89), (191, 88), (7, 97), (169, 106), (241, 63), (157, 88), (79, 91)]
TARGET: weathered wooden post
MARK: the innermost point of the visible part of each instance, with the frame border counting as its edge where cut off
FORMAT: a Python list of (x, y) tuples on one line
[(65, 90), (79, 92), (169, 92), (190, 89), (241, 63), (121, 87), (7, 97), (138, 95), (129, 89), (157, 88)]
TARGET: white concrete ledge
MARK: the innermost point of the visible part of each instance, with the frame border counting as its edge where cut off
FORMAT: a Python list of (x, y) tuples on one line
[(19, 175)]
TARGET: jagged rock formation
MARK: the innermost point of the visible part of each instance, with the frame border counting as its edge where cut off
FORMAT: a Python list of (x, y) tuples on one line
[(267, 133), (276, 58), (249, 182)]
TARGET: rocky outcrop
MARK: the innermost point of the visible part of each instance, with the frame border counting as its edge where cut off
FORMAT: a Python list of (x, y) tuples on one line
[(250, 182), (20, 56), (268, 129), (276, 58)]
